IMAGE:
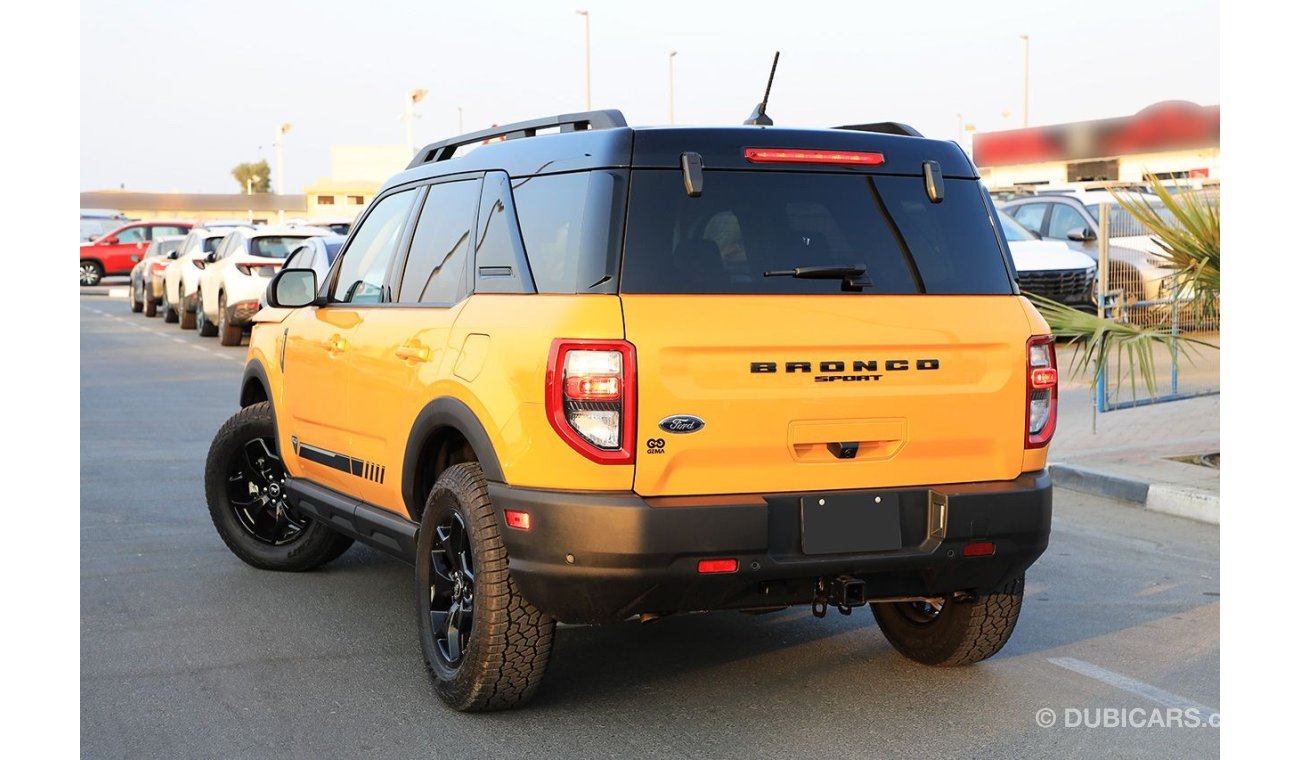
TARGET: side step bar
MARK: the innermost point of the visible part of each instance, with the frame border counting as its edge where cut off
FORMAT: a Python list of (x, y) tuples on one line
[(375, 527)]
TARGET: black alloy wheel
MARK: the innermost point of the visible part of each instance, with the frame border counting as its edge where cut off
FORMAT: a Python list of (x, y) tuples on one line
[(451, 590), (255, 486)]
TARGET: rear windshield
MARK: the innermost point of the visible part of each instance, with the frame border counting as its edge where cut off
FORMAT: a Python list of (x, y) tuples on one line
[(746, 224), (210, 243), (273, 246)]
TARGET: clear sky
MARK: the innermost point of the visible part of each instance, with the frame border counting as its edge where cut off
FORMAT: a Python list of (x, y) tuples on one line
[(174, 94)]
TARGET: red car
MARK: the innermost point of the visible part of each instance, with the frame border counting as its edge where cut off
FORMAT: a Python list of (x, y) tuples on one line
[(118, 251)]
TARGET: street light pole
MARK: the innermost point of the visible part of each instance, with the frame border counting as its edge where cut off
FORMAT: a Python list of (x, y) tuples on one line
[(672, 116), (586, 17), (279, 165), (409, 115), (1025, 37), (248, 187)]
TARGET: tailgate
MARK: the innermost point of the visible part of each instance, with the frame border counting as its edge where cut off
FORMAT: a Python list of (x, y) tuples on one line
[(924, 390)]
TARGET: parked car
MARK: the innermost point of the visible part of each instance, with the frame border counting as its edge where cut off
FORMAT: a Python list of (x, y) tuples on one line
[(234, 277), (339, 225), (1050, 268), (316, 254), (118, 251), (1071, 217), (143, 296), (577, 377), (181, 277)]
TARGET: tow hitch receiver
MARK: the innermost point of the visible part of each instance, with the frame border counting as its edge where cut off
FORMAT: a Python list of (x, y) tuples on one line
[(843, 591)]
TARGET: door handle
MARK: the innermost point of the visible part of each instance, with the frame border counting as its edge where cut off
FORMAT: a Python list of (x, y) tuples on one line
[(412, 353), (336, 344)]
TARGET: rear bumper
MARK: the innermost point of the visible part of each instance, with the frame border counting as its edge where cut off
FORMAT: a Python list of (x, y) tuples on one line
[(631, 555), (242, 312)]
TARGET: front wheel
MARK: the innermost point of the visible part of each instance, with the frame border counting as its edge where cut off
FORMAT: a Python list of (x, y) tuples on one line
[(952, 632), (150, 305), (484, 644), (91, 273), (245, 484), (137, 304), (205, 327), (170, 314)]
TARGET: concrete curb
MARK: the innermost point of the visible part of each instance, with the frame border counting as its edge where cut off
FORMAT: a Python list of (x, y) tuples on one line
[(1180, 501)]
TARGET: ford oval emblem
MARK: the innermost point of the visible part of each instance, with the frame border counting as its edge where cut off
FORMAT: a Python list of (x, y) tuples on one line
[(681, 423)]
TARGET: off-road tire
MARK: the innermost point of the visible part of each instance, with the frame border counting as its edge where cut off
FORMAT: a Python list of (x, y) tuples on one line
[(510, 640), (315, 545), (963, 633), (206, 329), (231, 334)]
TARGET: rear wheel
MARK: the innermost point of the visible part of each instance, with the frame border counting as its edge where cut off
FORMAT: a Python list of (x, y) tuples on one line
[(91, 273), (245, 485), (150, 305), (187, 317), (231, 334), (952, 632), (484, 644), (169, 309), (205, 327)]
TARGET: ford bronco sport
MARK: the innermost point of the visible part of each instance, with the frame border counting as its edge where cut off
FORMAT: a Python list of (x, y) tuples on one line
[(612, 373)]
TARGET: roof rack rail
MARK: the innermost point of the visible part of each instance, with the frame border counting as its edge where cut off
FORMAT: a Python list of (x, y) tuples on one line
[(886, 127), (569, 122)]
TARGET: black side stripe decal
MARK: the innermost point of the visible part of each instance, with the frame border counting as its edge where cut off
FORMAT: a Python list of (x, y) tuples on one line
[(357, 467)]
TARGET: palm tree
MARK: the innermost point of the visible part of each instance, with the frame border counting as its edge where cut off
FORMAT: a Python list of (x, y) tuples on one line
[(1188, 238)]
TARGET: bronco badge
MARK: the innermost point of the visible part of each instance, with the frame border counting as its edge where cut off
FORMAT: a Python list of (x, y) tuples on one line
[(681, 423)]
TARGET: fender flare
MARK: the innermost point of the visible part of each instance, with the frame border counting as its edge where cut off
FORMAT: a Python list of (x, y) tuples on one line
[(254, 372), (440, 413)]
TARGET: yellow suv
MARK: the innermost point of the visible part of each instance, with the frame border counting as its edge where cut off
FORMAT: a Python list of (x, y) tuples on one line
[(587, 373)]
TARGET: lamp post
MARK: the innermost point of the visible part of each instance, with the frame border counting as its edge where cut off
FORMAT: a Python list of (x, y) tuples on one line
[(1025, 37), (279, 164), (409, 115), (248, 188), (586, 17), (672, 116)]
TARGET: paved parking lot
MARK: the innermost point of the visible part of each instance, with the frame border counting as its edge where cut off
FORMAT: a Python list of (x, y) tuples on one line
[(187, 652)]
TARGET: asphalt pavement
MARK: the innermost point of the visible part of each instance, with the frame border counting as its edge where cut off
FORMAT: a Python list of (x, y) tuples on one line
[(187, 652)]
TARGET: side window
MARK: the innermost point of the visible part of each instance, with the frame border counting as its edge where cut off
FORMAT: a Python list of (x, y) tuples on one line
[(435, 267), (1030, 215), (551, 210), (1064, 219), (361, 273), (230, 246), (132, 235), (298, 259), (499, 260)]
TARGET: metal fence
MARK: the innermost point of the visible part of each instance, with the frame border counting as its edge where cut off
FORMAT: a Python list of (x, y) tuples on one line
[(1136, 287)]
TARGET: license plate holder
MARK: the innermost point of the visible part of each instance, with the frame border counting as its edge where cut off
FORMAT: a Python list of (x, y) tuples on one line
[(850, 523)]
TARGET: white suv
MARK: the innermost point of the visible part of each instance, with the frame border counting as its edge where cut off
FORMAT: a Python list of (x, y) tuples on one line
[(181, 277), (236, 274)]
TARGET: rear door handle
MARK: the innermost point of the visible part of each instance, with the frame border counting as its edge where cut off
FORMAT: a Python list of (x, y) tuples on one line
[(413, 352)]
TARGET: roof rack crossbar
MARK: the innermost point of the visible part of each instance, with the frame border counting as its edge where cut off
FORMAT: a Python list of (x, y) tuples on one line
[(885, 127), (569, 122)]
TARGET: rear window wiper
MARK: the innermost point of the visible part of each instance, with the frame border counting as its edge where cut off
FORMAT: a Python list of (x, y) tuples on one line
[(852, 278)]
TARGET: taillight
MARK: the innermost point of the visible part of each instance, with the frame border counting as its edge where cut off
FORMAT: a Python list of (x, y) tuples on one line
[(591, 398), (200, 263), (157, 266), (1040, 391), (265, 270), (796, 156)]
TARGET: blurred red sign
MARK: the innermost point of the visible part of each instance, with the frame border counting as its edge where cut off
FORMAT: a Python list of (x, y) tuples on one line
[(1174, 125)]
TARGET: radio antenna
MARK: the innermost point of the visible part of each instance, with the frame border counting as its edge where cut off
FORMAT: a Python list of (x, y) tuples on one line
[(759, 117)]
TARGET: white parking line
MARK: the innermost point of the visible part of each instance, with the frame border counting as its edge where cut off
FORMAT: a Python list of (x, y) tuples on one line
[(1131, 685), (178, 340)]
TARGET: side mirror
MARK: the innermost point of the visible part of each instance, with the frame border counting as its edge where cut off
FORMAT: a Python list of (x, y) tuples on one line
[(110, 240), (211, 258), (1081, 235), (292, 289), (173, 255)]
